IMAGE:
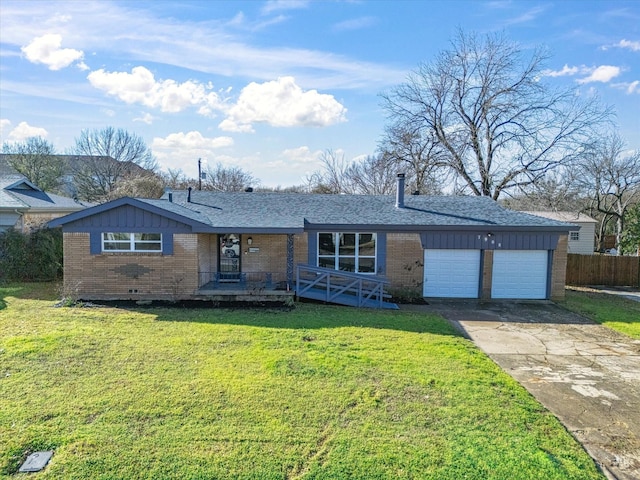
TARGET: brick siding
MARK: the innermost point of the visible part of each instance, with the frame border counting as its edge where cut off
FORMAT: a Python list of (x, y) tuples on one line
[(405, 261), (559, 269), (130, 275)]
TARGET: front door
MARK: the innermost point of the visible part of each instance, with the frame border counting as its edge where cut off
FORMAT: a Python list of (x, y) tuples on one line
[(229, 257)]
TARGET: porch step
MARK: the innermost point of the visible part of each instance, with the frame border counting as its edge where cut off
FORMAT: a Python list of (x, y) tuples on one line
[(344, 299)]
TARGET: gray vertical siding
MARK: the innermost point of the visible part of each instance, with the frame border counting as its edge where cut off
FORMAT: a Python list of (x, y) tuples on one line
[(489, 241), (127, 218)]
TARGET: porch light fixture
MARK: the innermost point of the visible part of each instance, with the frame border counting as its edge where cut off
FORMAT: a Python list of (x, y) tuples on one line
[(249, 241)]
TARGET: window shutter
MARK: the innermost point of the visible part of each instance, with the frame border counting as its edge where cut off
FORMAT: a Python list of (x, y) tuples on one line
[(167, 243), (95, 243)]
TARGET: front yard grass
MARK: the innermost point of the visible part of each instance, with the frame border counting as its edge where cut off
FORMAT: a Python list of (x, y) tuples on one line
[(615, 312), (316, 392)]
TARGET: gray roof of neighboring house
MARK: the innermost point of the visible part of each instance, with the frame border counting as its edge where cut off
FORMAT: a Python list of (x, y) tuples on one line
[(294, 212), (16, 192), (568, 217)]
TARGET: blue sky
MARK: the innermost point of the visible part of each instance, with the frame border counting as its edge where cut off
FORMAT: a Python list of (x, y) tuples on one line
[(269, 85)]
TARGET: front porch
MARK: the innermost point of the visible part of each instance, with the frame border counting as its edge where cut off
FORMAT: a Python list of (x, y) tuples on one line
[(244, 287)]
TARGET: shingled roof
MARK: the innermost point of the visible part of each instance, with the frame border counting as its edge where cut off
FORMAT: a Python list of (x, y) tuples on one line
[(16, 192), (296, 212)]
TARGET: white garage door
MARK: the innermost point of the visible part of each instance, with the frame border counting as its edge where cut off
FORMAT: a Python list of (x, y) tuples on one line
[(451, 273), (519, 274)]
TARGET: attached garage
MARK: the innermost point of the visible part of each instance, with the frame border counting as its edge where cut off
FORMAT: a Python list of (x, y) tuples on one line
[(520, 274), (451, 273)]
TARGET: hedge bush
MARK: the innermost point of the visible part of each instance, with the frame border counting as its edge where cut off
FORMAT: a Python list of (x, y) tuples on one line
[(31, 257)]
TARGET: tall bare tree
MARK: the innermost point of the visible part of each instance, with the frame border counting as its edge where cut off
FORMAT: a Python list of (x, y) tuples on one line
[(36, 159), (109, 155), (490, 110), (612, 176)]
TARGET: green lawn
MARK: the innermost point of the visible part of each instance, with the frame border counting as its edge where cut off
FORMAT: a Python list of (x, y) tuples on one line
[(317, 392), (613, 311)]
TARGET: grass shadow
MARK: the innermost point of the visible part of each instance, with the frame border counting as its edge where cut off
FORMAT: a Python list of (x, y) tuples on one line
[(29, 291), (304, 316)]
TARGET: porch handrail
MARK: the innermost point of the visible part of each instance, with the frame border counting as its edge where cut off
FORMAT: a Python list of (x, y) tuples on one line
[(367, 289)]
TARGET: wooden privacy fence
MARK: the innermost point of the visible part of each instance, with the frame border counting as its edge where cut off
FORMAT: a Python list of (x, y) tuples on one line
[(603, 270)]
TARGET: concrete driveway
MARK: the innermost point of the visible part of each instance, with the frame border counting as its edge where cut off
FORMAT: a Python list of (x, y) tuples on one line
[(587, 375)]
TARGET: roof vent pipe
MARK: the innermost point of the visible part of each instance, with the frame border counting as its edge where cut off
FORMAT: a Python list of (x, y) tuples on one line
[(400, 191), (189, 195), (170, 197)]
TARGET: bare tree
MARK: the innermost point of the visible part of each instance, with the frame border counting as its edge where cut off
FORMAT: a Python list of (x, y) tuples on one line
[(417, 153), (373, 175), (36, 159), (147, 185), (228, 179), (108, 156), (176, 179), (553, 193), (612, 175), (500, 126), (333, 177)]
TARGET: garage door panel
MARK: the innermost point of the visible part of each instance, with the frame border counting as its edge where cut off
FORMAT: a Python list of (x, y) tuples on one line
[(519, 274), (451, 273)]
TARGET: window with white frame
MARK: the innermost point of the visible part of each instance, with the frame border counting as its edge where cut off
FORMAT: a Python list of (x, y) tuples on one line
[(131, 242), (574, 236), (350, 252)]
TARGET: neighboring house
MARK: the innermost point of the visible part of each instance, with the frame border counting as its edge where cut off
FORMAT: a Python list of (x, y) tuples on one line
[(199, 245), (580, 241), (108, 167), (24, 206)]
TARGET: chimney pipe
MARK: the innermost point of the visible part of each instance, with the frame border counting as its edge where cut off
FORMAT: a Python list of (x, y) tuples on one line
[(400, 191), (170, 197), (189, 195)]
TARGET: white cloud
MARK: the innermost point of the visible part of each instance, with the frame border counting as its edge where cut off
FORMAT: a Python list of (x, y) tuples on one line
[(23, 131), (634, 46), (603, 73), (282, 103), (182, 150), (46, 49), (301, 155), (355, 24), (140, 86), (566, 70), (145, 118), (278, 5), (5, 124), (628, 87), (631, 45), (191, 140)]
